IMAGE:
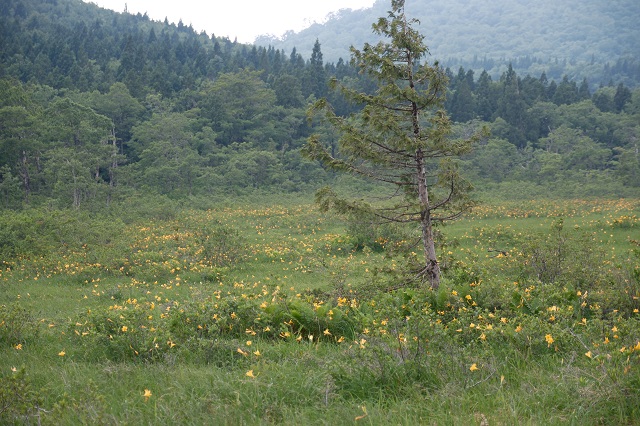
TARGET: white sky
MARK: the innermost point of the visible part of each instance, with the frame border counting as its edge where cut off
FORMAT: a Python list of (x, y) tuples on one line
[(244, 19)]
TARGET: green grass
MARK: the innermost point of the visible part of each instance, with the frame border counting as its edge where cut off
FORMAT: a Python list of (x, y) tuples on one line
[(265, 315)]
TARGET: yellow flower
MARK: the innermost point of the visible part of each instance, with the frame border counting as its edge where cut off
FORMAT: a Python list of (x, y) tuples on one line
[(124, 328), (588, 354), (364, 410), (257, 353), (248, 342), (61, 353), (483, 337), (327, 332), (549, 339), (637, 347), (473, 367), (240, 351), (18, 346), (147, 394), (250, 374)]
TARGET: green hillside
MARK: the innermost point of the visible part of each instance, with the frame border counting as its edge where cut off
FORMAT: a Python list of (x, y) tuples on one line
[(572, 37), (98, 107)]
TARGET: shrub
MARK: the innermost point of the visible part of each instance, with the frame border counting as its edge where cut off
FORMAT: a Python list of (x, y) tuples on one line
[(367, 231), (221, 245), (17, 325), (122, 333), (18, 401)]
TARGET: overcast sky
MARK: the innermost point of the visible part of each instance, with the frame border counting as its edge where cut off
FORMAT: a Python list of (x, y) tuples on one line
[(244, 19)]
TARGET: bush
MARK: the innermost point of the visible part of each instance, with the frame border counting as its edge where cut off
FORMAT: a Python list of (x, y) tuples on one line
[(18, 401), (282, 319), (122, 333), (25, 234), (221, 245), (366, 231), (17, 325)]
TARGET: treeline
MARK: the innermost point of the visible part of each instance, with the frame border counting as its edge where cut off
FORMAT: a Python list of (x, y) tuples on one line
[(73, 45), (97, 107), (545, 132), (529, 105), (95, 104)]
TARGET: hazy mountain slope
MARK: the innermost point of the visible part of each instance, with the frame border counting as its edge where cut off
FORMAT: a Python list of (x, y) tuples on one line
[(591, 32)]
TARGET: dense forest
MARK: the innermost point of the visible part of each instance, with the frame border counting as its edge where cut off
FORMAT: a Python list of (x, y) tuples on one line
[(98, 107), (581, 39)]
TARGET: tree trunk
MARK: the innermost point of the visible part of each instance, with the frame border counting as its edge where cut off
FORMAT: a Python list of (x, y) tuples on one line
[(26, 180), (431, 268)]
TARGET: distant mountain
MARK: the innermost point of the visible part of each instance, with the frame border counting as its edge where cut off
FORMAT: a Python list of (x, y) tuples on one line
[(573, 37)]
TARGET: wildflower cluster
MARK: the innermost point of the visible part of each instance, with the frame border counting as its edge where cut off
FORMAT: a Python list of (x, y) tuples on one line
[(543, 290)]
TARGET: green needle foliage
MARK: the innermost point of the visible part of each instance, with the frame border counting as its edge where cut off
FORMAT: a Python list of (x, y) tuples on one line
[(401, 138)]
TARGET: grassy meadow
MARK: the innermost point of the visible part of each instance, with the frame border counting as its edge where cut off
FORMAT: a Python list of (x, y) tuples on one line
[(280, 314)]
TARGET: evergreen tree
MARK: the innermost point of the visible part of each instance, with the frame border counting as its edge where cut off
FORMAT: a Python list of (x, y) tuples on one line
[(622, 96), (566, 93), (544, 81), (512, 107), (463, 103), (486, 101), (401, 137), (316, 77), (551, 89), (583, 91)]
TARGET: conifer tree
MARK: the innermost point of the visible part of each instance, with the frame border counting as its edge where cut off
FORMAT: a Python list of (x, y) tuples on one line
[(316, 83), (401, 138)]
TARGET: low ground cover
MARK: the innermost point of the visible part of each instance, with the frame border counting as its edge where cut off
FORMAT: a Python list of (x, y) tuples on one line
[(279, 314)]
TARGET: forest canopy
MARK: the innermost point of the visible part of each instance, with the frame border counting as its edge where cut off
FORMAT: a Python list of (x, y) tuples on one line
[(97, 106), (582, 39)]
